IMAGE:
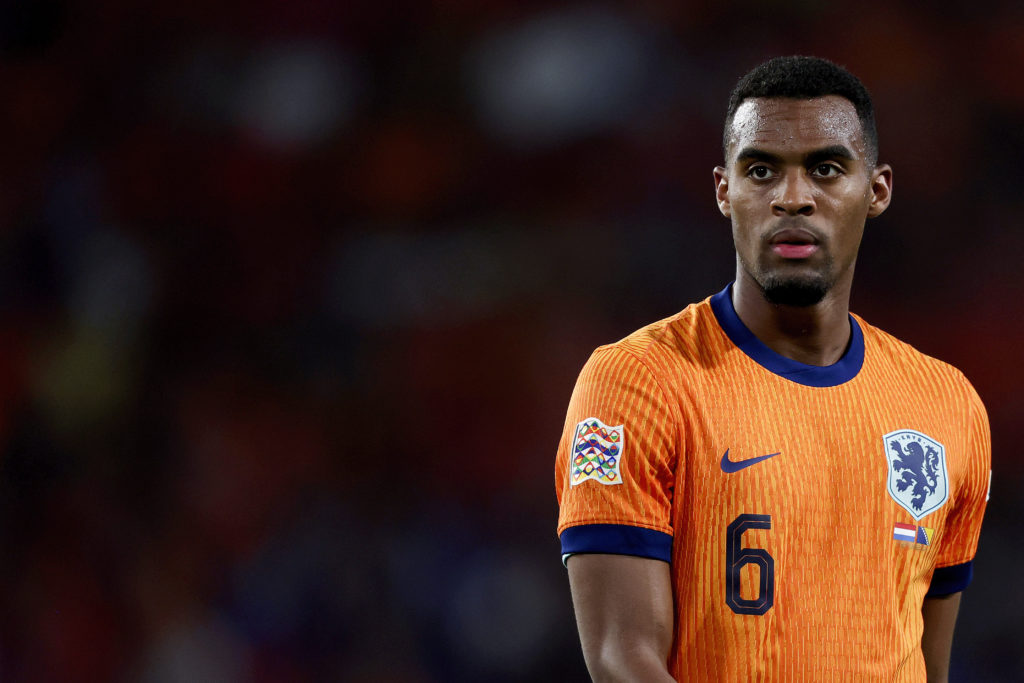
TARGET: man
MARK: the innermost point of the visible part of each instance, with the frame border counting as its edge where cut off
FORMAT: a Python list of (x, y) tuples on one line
[(764, 486)]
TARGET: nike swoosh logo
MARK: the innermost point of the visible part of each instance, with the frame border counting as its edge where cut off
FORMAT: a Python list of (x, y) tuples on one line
[(730, 466)]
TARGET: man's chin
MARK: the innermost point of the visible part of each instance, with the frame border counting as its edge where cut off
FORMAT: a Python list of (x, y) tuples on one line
[(800, 293)]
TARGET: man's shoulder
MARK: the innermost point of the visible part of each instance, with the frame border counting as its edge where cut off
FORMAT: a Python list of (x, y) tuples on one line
[(909, 361), (677, 338)]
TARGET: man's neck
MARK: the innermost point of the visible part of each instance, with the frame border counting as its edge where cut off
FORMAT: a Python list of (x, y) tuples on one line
[(815, 335)]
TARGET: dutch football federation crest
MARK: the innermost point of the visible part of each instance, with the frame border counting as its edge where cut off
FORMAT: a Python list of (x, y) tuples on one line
[(596, 452), (917, 471)]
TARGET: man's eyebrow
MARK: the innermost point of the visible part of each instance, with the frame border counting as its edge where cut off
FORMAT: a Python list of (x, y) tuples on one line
[(831, 152), (823, 154), (755, 154)]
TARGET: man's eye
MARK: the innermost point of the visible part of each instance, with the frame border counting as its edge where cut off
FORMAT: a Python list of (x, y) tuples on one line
[(760, 172), (826, 170)]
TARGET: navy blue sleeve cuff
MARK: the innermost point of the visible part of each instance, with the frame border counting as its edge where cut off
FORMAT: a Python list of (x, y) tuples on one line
[(616, 539), (949, 580)]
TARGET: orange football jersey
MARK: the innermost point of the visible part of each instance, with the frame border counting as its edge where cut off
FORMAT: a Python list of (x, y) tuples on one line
[(806, 511)]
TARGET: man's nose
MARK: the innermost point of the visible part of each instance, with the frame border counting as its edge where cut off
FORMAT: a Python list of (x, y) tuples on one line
[(794, 196)]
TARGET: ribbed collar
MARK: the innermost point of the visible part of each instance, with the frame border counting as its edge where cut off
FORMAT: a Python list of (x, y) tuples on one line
[(840, 372)]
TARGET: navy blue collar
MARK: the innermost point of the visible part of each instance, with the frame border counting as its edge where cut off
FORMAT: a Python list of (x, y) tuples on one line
[(843, 370)]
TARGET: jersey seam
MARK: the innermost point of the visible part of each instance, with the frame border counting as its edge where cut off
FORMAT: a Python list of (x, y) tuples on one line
[(972, 415), (975, 421), (664, 398), (954, 564), (618, 523)]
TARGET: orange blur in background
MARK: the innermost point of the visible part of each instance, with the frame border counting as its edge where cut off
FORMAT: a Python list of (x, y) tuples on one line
[(294, 295)]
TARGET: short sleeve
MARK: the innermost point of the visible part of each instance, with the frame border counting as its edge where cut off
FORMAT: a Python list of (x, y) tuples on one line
[(963, 526), (615, 466)]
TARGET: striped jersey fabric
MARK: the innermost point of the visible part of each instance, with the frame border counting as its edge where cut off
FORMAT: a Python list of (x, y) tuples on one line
[(773, 489)]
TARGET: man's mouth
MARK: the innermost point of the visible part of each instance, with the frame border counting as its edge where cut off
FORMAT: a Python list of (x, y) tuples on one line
[(793, 243)]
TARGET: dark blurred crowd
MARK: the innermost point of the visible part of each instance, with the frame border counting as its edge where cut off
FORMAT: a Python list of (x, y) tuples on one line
[(294, 294)]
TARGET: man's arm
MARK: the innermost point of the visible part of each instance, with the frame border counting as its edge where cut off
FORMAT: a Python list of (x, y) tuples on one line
[(624, 614), (939, 619)]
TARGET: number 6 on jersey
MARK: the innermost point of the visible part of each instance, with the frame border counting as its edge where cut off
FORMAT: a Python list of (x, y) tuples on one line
[(736, 557)]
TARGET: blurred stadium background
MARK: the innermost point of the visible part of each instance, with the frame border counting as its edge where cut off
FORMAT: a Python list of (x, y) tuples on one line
[(294, 295)]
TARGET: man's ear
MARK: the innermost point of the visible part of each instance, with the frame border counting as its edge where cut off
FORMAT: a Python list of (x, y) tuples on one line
[(722, 190), (881, 190)]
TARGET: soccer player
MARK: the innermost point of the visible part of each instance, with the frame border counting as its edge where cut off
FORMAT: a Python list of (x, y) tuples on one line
[(764, 486)]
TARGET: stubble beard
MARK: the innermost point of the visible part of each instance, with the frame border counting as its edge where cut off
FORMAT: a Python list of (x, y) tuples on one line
[(799, 290)]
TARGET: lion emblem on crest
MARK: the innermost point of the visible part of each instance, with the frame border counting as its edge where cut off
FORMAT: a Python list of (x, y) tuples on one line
[(917, 471)]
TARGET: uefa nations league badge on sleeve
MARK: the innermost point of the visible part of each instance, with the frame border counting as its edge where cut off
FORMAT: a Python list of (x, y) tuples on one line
[(596, 452)]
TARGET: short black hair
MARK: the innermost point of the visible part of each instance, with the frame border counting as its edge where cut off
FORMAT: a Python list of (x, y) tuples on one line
[(805, 77)]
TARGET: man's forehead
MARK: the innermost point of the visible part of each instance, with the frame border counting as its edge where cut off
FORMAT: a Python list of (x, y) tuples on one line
[(793, 124)]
